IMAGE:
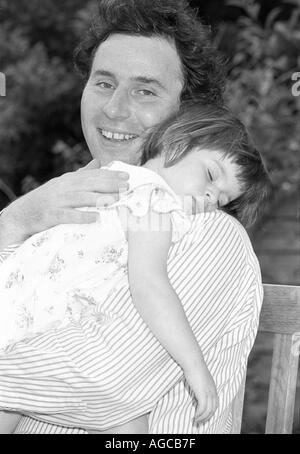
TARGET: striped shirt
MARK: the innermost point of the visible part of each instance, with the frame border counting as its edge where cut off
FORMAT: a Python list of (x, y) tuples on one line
[(217, 278)]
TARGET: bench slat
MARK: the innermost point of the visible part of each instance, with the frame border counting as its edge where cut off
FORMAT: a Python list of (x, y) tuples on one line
[(283, 385), (281, 309), (280, 315)]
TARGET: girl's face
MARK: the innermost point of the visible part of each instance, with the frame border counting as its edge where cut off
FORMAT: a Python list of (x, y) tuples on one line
[(204, 173)]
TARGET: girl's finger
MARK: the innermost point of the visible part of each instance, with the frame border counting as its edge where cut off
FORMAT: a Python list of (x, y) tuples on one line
[(209, 411), (200, 411)]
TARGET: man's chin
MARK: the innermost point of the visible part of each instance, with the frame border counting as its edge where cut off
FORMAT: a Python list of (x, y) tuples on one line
[(133, 158)]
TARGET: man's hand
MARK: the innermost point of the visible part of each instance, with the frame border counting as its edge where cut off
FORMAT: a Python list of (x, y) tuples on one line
[(56, 202)]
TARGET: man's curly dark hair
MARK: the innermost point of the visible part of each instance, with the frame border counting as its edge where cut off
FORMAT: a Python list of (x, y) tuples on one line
[(202, 65)]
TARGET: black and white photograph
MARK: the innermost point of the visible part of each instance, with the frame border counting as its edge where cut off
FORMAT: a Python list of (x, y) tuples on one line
[(149, 219)]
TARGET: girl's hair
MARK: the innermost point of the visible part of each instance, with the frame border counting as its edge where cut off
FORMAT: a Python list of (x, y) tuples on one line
[(217, 129), (202, 65)]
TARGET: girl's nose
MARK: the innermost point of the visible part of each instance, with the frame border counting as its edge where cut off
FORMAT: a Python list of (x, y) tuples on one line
[(212, 196), (117, 106)]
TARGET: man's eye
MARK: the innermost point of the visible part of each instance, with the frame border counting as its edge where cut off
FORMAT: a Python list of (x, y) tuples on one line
[(146, 93), (104, 85)]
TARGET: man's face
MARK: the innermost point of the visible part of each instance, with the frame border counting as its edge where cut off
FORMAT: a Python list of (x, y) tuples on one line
[(135, 83)]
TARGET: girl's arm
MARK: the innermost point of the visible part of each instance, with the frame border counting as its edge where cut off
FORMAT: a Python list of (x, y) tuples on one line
[(152, 293)]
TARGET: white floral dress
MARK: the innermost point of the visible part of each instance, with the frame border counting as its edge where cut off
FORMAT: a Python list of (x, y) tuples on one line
[(64, 274)]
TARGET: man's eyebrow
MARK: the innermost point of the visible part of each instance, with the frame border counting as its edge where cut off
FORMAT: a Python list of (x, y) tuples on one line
[(100, 72), (149, 81)]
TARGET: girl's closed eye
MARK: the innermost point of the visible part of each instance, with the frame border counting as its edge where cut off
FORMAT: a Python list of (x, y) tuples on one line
[(210, 175)]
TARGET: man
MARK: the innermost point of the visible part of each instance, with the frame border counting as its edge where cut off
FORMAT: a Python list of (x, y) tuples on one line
[(140, 59)]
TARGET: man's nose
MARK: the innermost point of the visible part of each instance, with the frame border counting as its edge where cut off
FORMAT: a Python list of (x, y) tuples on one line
[(117, 106)]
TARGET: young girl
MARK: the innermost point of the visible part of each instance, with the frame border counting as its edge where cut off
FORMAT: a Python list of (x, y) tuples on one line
[(200, 159)]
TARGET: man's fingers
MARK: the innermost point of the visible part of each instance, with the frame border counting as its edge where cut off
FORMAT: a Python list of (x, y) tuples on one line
[(78, 217), (104, 200), (94, 164), (104, 185), (114, 174), (91, 199), (97, 180), (103, 173)]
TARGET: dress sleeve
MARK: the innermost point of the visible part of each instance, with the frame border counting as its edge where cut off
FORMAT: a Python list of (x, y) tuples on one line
[(8, 251), (151, 197)]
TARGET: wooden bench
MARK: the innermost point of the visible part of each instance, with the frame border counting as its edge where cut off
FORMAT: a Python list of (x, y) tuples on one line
[(280, 315)]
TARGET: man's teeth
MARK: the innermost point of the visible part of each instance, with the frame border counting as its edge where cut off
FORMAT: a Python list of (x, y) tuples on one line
[(117, 136)]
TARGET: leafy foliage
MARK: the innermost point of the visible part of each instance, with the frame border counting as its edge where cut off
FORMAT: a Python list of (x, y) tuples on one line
[(262, 60), (43, 92), (40, 133)]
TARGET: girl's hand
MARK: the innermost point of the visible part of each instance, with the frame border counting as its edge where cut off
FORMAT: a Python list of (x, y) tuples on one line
[(204, 388)]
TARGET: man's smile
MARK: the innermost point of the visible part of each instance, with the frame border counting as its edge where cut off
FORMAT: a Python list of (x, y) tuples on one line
[(117, 136)]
